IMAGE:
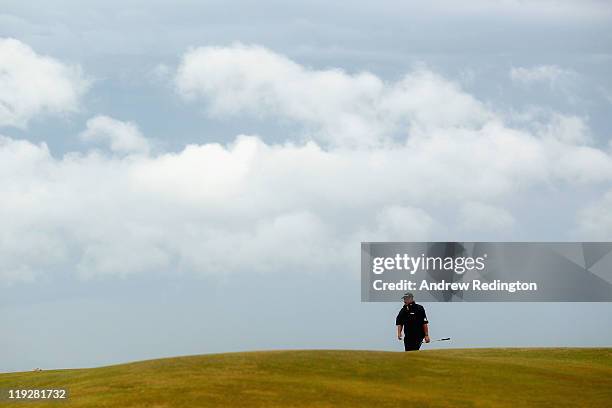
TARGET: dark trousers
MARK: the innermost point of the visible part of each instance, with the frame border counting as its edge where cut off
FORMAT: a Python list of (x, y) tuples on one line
[(412, 343)]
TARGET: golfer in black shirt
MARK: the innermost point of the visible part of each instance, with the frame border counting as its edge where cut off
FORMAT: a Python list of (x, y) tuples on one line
[(413, 320)]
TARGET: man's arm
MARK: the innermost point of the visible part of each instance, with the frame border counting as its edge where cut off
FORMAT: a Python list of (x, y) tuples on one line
[(426, 331), (425, 327), (399, 322)]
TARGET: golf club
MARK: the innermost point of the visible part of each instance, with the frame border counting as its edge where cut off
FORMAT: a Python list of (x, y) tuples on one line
[(442, 339)]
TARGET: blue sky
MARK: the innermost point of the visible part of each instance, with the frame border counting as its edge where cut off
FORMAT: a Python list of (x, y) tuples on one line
[(196, 177)]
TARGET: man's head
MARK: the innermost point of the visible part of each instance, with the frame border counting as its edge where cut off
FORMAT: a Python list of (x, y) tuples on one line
[(408, 298)]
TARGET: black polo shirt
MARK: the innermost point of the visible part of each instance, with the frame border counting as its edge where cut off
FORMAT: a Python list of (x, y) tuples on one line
[(412, 317)]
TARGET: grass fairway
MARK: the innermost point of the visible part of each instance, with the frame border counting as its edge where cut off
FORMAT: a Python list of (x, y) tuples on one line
[(434, 378)]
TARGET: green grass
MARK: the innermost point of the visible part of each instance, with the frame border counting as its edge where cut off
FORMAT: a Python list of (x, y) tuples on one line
[(434, 378)]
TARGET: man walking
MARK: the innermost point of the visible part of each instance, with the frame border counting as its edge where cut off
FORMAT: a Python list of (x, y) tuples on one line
[(413, 320)]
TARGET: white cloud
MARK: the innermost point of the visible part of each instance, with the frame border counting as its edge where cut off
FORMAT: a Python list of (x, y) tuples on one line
[(344, 109), (476, 216), (33, 84), (361, 110), (595, 220), (258, 206), (122, 137), (402, 223), (212, 209), (552, 75), (567, 129)]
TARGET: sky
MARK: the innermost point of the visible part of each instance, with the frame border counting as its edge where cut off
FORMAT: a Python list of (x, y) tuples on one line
[(195, 177)]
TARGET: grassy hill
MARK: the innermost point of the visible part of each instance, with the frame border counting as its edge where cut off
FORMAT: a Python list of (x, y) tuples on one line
[(430, 378)]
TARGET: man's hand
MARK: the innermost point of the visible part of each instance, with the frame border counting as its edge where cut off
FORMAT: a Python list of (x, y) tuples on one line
[(399, 336), (427, 339)]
